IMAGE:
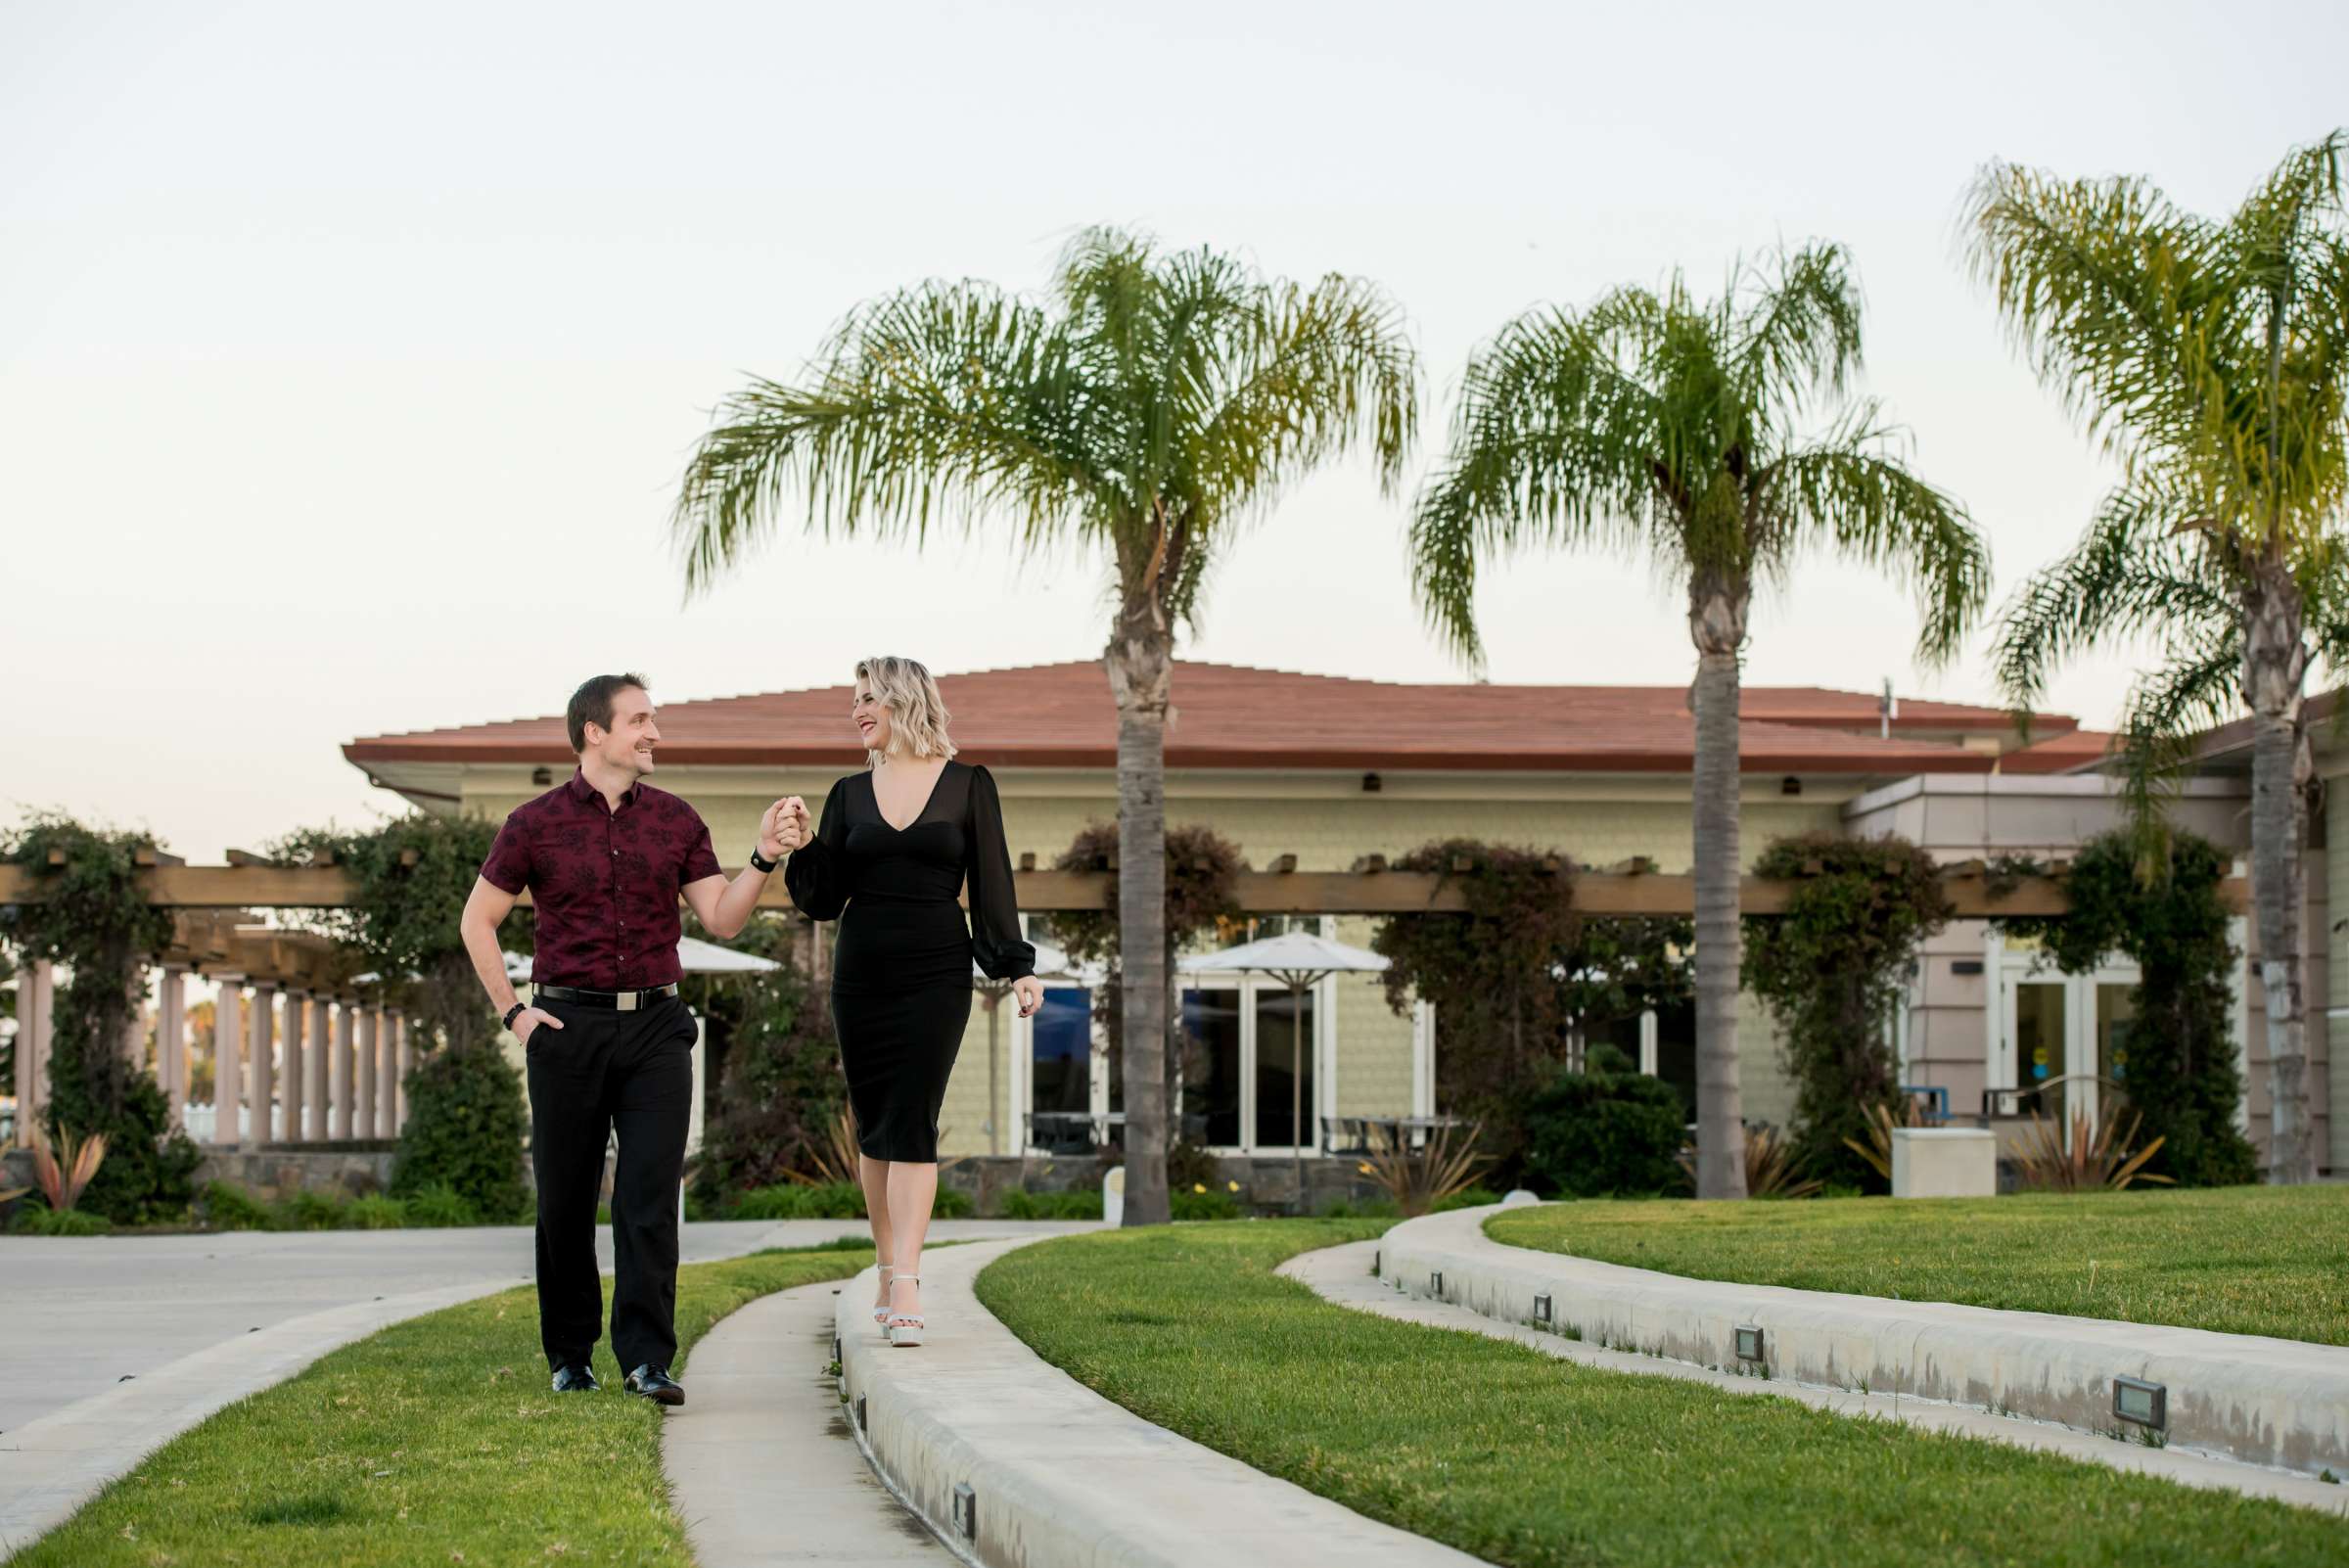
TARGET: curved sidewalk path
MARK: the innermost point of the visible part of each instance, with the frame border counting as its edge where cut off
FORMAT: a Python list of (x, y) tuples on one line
[(2248, 1401), (116, 1345), (1018, 1465), (761, 1459)]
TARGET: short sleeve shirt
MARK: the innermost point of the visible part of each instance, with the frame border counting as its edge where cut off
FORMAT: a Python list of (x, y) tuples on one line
[(604, 883)]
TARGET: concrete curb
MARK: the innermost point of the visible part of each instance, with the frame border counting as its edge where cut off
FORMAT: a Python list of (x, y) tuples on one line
[(63, 1460), (2271, 1402), (1342, 1275), (1018, 1465)]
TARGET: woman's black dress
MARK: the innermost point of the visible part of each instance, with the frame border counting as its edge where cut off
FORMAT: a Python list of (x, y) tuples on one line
[(902, 971)]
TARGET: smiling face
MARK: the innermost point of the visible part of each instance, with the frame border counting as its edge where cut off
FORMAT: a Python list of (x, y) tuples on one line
[(871, 714), (627, 742)]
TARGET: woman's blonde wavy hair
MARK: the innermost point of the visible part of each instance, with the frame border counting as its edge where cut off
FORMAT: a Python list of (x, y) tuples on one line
[(917, 712)]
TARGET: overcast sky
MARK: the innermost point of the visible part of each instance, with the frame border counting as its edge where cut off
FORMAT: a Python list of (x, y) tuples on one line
[(348, 356)]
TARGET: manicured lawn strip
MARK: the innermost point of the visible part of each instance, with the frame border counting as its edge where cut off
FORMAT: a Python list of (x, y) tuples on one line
[(434, 1442), (2239, 1260), (1522, 1460)]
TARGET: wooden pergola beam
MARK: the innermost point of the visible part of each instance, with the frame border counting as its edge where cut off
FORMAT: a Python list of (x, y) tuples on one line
[(1369, 890)]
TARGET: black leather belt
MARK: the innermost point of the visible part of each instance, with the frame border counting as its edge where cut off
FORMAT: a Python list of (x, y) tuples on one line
[(626, 1001)]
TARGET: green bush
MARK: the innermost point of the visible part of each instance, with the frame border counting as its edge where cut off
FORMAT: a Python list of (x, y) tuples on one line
[(1361, 1209), (438, 1207), (1609, 1129), (38, 1219), (780, 1090), (311, 1210), (793, 1200), (1021, 1204), (1208, 1205), (95, 922), (952, 1205), (375, 1212), (1467, 1198), (225, 1206), (466, 1125)]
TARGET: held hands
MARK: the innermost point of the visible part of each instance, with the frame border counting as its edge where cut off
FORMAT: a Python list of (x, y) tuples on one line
[(785, 827), (1030, 994)]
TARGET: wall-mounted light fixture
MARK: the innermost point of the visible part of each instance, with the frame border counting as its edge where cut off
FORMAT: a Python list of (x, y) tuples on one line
[(861, 1426), (1790, 785), (1749, 1344), (2139, 1402), (1372, 784), (1435, 1283), (1540, 1308), (542, 775), (966, 1510)]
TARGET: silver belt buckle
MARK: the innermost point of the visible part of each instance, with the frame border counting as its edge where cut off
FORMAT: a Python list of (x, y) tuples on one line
[(628, 1001)]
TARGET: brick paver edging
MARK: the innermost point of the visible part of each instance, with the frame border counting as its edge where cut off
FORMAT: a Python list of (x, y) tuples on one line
[(2273, 1402)]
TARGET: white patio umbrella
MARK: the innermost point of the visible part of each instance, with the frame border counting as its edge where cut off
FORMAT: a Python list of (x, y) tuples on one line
[(1052, 967), (1298, 959), (694, 956)]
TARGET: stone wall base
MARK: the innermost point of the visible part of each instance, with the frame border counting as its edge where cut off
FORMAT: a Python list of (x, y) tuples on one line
[(334, 1171)]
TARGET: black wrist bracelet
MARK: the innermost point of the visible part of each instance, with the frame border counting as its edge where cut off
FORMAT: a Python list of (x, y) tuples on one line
[(512, 1013), (760, 863)]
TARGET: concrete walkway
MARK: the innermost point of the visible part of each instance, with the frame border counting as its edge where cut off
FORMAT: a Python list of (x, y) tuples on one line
[(1342, 1275), (111, 1346), (1018, 1465), (762, 1460)]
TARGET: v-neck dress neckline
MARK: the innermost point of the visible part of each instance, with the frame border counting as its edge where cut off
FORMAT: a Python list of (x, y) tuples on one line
[(873, 781)]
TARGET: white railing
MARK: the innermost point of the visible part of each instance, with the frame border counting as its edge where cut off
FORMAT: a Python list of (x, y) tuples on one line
[(202, 1121)]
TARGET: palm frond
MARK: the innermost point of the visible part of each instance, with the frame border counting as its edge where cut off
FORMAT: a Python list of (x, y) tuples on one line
[(1554, 438), (946, 398), (1799, 335), (1856, 494), (2140, 568)]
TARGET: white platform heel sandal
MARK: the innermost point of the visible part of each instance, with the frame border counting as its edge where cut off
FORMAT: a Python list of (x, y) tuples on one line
[(905, 1329), (881, 1312)]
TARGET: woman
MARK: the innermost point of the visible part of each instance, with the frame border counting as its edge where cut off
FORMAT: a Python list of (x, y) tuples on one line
[(898, 841)]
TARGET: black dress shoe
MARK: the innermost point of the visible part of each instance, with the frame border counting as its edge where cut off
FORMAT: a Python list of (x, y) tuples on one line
[(655, 1384), (575, 1379)]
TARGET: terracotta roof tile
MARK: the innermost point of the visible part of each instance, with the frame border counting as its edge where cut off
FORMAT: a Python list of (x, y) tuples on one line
[(1231, 717)]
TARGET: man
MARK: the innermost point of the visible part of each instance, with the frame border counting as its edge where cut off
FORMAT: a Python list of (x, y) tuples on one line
[(605, 857)]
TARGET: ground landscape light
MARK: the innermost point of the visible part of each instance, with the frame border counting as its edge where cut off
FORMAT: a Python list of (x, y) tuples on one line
[(1749, 1344), (1540, 1308), (861, 1426), (2140, 1403), (1435, 1283), (966, 1510)]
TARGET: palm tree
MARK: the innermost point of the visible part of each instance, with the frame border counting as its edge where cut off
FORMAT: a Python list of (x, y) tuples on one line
[(2212, 361), (1686, 429), (1151, 405)]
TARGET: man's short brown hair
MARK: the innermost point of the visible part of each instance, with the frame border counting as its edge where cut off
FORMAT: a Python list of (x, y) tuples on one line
[(591, 704)]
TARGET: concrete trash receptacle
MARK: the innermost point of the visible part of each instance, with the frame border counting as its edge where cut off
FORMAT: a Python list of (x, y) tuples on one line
[(1944, 1162)]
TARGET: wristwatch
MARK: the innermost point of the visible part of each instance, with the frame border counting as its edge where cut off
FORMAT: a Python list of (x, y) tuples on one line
[(759, 863), (512, 1013)]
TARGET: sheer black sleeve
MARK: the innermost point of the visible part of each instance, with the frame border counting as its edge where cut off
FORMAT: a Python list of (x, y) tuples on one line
[(995, 941), (818, 872)]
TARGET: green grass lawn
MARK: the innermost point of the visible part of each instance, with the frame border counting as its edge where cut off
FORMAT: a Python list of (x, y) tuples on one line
[(2240, 1259), (1521, 1459), (434, 1442)]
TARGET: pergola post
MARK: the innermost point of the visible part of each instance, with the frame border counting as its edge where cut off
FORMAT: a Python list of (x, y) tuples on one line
[(171, 1040), (387, 1082), (36, 996), (362, 1125), (400, 1064), (321, 1095), (346, 1070), (228, 1078), (292, 1089), (262, 1081)]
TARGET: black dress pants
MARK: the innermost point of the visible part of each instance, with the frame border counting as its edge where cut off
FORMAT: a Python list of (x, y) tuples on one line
[(605, 1071)]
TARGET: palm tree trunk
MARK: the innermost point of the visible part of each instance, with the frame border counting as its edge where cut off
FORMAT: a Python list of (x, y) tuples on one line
[(2275, 664), (1142, 668), (1717, 623)]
